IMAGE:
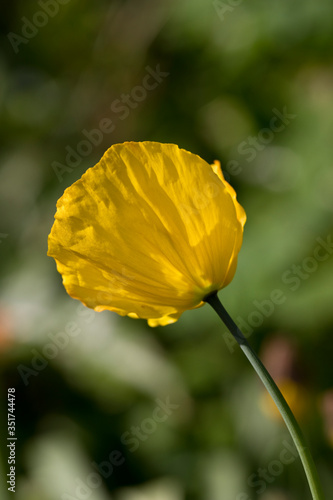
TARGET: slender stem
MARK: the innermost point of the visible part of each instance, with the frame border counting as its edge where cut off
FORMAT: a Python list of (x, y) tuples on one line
[(286, 413)]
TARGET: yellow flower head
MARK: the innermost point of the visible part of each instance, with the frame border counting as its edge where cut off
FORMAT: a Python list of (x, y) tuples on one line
[(148, 232)]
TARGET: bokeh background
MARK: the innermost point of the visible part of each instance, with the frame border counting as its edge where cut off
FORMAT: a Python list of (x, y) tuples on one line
[(172, 413)]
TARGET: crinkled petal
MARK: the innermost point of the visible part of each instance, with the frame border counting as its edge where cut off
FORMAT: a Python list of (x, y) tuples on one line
[(147, 232)]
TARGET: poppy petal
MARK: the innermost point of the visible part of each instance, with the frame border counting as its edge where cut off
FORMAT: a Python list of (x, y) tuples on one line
[(147, 232)]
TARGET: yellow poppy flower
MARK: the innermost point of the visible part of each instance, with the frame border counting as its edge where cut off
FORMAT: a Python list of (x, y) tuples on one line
[(148, 232)]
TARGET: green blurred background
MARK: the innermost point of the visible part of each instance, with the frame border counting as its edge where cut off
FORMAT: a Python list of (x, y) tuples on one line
[(88, 385)]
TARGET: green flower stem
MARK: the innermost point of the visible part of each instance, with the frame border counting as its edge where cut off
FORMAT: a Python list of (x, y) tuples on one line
[(285, 411)]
